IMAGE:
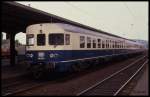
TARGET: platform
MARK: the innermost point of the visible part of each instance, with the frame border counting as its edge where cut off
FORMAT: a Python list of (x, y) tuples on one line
[(8, 71), (141, 89)]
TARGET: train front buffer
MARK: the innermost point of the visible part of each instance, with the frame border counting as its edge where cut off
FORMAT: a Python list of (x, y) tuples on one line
[(43, 59)]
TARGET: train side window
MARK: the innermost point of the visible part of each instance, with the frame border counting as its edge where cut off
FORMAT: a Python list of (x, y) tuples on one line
[(41, 39), (116, 44), (113, 44), (106, 43), (94, 43), (67, 39), (103, 44), (123, 44), (88, 42), (82, 42), (120, 44), (109, 44), (99, 43), (30, 40)]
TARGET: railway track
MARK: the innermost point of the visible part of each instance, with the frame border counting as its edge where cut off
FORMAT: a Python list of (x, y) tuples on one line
[(114, 83), (19, 86), (23, 86)]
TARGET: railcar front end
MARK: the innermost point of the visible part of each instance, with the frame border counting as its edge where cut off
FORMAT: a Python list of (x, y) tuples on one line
[(45, 48)]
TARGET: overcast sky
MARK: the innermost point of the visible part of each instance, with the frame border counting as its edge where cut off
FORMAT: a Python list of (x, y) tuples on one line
[(126, 19)]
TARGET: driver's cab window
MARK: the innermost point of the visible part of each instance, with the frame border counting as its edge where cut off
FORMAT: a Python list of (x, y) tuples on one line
[(41, 39), (56, 39), (30, 40)]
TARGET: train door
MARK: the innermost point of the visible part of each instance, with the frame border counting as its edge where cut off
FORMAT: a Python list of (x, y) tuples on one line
[(68, 46)]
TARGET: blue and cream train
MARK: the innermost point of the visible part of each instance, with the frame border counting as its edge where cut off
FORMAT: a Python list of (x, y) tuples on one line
[(64, 47)]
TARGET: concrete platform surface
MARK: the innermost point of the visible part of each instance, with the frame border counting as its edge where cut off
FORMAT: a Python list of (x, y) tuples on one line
[(12, 71)]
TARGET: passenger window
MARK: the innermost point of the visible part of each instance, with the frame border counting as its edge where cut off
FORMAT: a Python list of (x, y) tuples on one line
[(99, 43), (106, 43), (67, 39), (103, 44), (94, 43), (88, 42), (40, 39), (124, 44), (121, 44), (110, 43), (82, 42), (115, 44)]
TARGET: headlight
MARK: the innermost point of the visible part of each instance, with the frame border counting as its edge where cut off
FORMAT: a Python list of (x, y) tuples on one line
[(53, 55), (29, 55)]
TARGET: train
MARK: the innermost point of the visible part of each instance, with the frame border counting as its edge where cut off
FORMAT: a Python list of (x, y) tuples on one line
[(61, 47)]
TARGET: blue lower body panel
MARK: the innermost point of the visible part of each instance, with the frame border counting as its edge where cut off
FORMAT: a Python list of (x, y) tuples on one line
[(63, 59)]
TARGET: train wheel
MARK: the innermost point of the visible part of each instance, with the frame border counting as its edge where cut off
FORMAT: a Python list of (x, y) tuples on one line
[(88, 64), (76, 67), (37, 71), (79, 66)]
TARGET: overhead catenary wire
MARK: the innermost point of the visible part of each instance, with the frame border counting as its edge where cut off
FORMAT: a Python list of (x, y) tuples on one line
[(134, 18), (129, 10), (132, 15), (83, 11)]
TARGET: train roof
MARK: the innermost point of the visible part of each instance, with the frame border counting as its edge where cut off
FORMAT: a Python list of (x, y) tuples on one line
[(70, 27)]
